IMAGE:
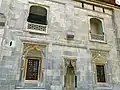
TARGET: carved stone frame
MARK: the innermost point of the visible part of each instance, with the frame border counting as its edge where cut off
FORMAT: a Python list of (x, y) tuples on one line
[(100, 57), (28, 47)]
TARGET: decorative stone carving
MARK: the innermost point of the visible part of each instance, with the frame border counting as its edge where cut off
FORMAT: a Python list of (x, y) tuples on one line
[(68, 61), (99, 56), (33, 47)]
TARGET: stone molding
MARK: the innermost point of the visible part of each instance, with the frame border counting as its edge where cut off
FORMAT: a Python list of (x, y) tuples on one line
[(99, 56)]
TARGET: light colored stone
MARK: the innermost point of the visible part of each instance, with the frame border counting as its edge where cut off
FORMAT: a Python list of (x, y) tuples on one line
[(99, 9), (62, 16), (88, 6)]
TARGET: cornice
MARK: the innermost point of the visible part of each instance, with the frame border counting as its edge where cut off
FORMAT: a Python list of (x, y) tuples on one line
[(99, 3)]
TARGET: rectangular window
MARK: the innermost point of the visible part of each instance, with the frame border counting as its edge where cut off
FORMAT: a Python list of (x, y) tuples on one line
[(100, 73), (32, 71)]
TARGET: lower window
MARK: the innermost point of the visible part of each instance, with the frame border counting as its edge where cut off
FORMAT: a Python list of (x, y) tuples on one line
[(100, 73), (32, 69)]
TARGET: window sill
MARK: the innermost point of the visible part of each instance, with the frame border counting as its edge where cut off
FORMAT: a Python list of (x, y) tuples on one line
[(31, 81), (99, 41), (93, 38), (27, 86), (103, 86), (37, 32)]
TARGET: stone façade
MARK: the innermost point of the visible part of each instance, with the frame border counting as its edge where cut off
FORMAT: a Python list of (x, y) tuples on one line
[(63, 16)]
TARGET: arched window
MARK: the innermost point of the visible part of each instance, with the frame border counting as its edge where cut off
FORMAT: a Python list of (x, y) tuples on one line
[(96, 26), (37, 15)]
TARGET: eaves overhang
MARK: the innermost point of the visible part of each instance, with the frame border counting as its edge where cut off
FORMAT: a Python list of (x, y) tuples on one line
[(100, 3)]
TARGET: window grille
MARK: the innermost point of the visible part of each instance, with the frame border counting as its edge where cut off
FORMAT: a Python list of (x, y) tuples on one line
[(38, 27), (32, 69), (100, 73), (97, 37), (37, 19)]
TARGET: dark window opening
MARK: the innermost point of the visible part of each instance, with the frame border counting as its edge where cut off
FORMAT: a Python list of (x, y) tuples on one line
[(32, 69), (96, 26), (10, 43), (93, 7), (103, 10), (37, 15), (100, 73)]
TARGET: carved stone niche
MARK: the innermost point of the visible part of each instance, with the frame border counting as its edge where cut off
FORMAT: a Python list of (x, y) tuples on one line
[(32, 50), (68, 62), (70, 35), (99, 56)]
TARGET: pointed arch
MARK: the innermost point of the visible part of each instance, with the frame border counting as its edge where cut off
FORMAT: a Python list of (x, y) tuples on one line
[(70, 68)]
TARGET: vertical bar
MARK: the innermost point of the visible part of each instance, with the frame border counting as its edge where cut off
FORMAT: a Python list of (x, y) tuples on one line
[(75, 81)]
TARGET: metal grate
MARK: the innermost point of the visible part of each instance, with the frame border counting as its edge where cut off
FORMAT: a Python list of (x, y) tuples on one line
[(32, 69), (34, 26), (97, 37), (100, 73)]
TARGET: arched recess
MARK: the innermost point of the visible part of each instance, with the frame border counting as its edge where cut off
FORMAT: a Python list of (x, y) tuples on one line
[(38, 15), (30, 47), (70, 78), (96, 26)]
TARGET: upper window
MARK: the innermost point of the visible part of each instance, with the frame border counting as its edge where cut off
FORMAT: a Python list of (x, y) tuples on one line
[(96, 30), (37, 20), (37, 15), (2, 20), (96, 26)]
